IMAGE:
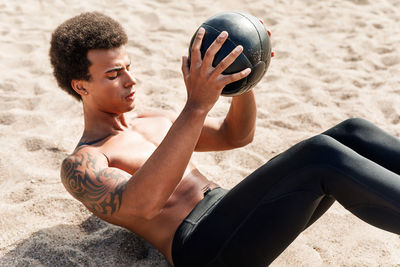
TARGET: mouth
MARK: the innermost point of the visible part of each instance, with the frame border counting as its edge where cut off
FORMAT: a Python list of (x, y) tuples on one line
[(131, 96)]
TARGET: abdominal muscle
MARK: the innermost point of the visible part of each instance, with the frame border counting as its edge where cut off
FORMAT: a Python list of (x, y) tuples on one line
[(160, 230)]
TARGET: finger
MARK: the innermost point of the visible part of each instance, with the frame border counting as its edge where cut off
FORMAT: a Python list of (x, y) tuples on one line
[(195, 50), (228, 60), (185, 70), (185, 67), (214, 48), (226, 79)]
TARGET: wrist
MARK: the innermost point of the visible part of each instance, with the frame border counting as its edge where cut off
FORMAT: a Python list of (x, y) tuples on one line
[(249, 93), (196, 110)]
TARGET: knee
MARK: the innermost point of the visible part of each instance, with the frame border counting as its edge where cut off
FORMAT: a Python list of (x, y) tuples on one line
[(316, 151), (319, 141), (320, 146), (354, 125)]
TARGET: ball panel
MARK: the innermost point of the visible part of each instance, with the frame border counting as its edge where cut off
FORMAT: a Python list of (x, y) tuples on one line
[(262, 34), (241, 32), (235, 88), (257, 72), (241, 61), (239, 64)]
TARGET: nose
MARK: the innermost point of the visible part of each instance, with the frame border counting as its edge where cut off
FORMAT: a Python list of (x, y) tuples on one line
[(130, 80)]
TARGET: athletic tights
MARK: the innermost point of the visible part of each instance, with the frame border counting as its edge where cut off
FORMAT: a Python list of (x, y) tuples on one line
[(355, 163)]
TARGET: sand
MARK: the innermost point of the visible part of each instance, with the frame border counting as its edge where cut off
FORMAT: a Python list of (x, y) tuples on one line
[(334, 59)]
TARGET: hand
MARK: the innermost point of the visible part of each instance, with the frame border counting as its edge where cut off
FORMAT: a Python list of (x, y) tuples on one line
[(204, 82)]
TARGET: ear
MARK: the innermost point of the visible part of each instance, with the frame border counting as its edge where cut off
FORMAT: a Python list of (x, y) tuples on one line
[(78, 86)]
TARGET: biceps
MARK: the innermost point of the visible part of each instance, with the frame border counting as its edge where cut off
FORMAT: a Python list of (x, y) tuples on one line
[(102, 195)]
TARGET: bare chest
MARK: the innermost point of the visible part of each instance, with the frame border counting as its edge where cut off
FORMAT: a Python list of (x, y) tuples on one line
[(130, 150)]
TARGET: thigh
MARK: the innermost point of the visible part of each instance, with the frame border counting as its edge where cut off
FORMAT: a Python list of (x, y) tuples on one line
[(271, 207), (258, 218)]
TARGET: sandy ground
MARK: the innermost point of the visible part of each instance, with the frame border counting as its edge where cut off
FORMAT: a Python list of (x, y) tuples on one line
[(335, 59)]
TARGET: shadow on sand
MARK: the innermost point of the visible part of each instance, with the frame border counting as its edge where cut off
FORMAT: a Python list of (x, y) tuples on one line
[(92, 243)]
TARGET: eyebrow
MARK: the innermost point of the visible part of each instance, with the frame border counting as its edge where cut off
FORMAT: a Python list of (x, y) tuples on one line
[(118, 68), (114, 69)]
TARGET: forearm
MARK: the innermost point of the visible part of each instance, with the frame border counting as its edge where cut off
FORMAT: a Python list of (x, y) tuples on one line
[(155, 181), (240, 122)]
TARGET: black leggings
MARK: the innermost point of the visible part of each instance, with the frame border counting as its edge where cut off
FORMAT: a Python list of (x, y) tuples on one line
[(355, 163)]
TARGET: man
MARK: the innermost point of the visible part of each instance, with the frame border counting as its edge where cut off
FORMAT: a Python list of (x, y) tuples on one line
[(138, 174), (165, 186)]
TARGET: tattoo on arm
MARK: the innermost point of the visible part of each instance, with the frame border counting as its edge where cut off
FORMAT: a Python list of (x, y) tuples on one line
[(99, 189)]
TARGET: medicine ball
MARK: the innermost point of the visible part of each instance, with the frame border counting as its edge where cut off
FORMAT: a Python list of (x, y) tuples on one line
[(245, 30)]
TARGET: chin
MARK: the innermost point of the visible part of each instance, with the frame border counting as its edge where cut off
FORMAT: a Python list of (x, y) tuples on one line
[(129, 108), (132, 106), (126, 105)]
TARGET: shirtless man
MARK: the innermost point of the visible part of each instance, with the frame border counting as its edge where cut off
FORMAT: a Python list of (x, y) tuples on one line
[(138, 174)]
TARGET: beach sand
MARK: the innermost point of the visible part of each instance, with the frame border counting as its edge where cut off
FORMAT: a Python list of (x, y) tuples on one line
[(333, 60)]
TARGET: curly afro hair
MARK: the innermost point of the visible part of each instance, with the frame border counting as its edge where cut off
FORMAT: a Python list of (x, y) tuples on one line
[(72, 40)]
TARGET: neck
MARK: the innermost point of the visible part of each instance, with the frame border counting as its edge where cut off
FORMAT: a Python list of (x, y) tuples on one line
[(99, 124)]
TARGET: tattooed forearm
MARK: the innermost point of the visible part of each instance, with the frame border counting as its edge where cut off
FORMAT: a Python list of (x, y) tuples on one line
[(99, 189)]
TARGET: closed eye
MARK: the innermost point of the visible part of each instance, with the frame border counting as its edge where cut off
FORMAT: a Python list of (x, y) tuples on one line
[(114, 75), (115, 72)]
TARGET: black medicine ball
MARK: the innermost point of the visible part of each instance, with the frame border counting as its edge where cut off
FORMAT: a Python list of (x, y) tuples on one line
[(245, 30)]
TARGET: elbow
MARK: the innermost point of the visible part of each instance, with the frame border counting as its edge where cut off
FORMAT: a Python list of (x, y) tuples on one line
[(243, 141), (249, 138)]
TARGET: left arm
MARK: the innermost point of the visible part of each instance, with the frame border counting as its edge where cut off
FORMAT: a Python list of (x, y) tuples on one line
[(235, 130)]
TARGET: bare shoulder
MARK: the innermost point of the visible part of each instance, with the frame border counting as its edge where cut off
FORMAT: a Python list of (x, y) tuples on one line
[(86, 176)]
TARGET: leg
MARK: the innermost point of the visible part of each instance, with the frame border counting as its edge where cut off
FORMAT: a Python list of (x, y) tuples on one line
[(263, 214), (369, 141)]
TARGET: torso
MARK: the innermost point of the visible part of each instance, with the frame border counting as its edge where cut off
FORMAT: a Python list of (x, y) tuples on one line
[(128, 151)]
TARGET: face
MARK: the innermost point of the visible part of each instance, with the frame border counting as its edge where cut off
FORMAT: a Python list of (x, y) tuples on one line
[(110, 88)]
